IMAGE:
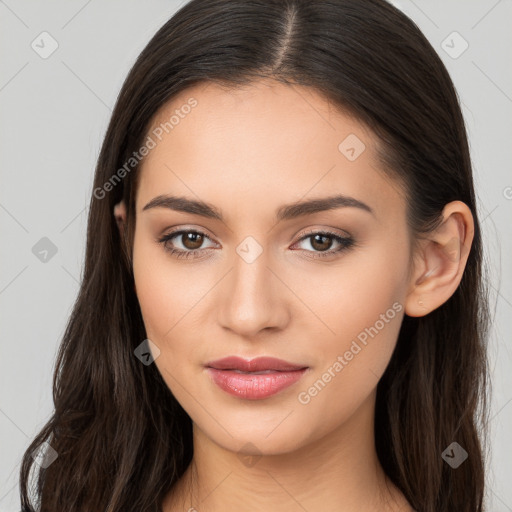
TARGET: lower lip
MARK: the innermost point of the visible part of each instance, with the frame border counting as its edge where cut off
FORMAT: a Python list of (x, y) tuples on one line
[(254, 386)]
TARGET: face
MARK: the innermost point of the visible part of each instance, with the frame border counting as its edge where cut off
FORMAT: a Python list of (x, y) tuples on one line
[(255, 274)]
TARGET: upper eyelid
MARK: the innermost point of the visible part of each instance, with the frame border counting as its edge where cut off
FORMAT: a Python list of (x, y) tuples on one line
[(181, 231), (327, 231)]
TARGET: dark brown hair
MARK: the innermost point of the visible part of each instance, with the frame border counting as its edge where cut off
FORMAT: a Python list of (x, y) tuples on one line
[(121, 437)]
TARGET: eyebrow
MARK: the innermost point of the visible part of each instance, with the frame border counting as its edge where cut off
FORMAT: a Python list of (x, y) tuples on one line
[(285, 212)]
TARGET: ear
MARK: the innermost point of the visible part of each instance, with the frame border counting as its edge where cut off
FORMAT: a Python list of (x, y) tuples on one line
[(120, 215), (440, 261)]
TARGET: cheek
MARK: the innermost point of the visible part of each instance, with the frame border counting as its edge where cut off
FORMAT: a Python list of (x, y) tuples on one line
[(352, 293), (361, 303), (157, 298), (167, 292), (164, 300), (170, 298)]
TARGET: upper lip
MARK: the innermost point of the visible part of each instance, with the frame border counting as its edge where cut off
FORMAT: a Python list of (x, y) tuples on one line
[(254, 365)]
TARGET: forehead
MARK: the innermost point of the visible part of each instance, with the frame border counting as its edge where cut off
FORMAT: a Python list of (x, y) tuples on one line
[(260, 146)]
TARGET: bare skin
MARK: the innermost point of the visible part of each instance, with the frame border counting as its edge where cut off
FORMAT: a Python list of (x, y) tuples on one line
[(248, 152)]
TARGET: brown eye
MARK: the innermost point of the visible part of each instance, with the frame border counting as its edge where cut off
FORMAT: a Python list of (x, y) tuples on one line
[(321, 242), (192, 240), (186, 243)]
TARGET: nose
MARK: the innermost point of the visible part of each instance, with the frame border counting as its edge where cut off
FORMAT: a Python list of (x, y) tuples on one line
[(253, 298)]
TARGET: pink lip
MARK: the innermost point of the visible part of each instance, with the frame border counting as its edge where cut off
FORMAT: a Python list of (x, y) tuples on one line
[(254, 386)]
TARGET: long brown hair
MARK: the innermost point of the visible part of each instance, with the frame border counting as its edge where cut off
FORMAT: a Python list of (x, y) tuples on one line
[(121, 438)]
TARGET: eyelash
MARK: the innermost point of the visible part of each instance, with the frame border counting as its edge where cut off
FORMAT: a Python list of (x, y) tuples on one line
[(345, 243)]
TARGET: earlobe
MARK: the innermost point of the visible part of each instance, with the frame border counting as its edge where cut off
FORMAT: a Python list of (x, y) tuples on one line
[(441, 261)]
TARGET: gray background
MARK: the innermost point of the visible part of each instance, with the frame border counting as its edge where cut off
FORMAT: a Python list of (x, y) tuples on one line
[(54, 112)]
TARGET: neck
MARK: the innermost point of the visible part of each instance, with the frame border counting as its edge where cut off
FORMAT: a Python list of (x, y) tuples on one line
[(339, 471)]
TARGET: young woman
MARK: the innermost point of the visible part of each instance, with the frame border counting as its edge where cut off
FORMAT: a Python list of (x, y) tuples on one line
[(282, 305)]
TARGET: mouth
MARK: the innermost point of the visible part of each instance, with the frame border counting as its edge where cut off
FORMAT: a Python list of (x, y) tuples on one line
[(262, 372), (254, 379), (258, 364)]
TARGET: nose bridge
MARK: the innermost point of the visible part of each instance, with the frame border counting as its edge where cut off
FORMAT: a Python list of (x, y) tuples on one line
[(252, 301)]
